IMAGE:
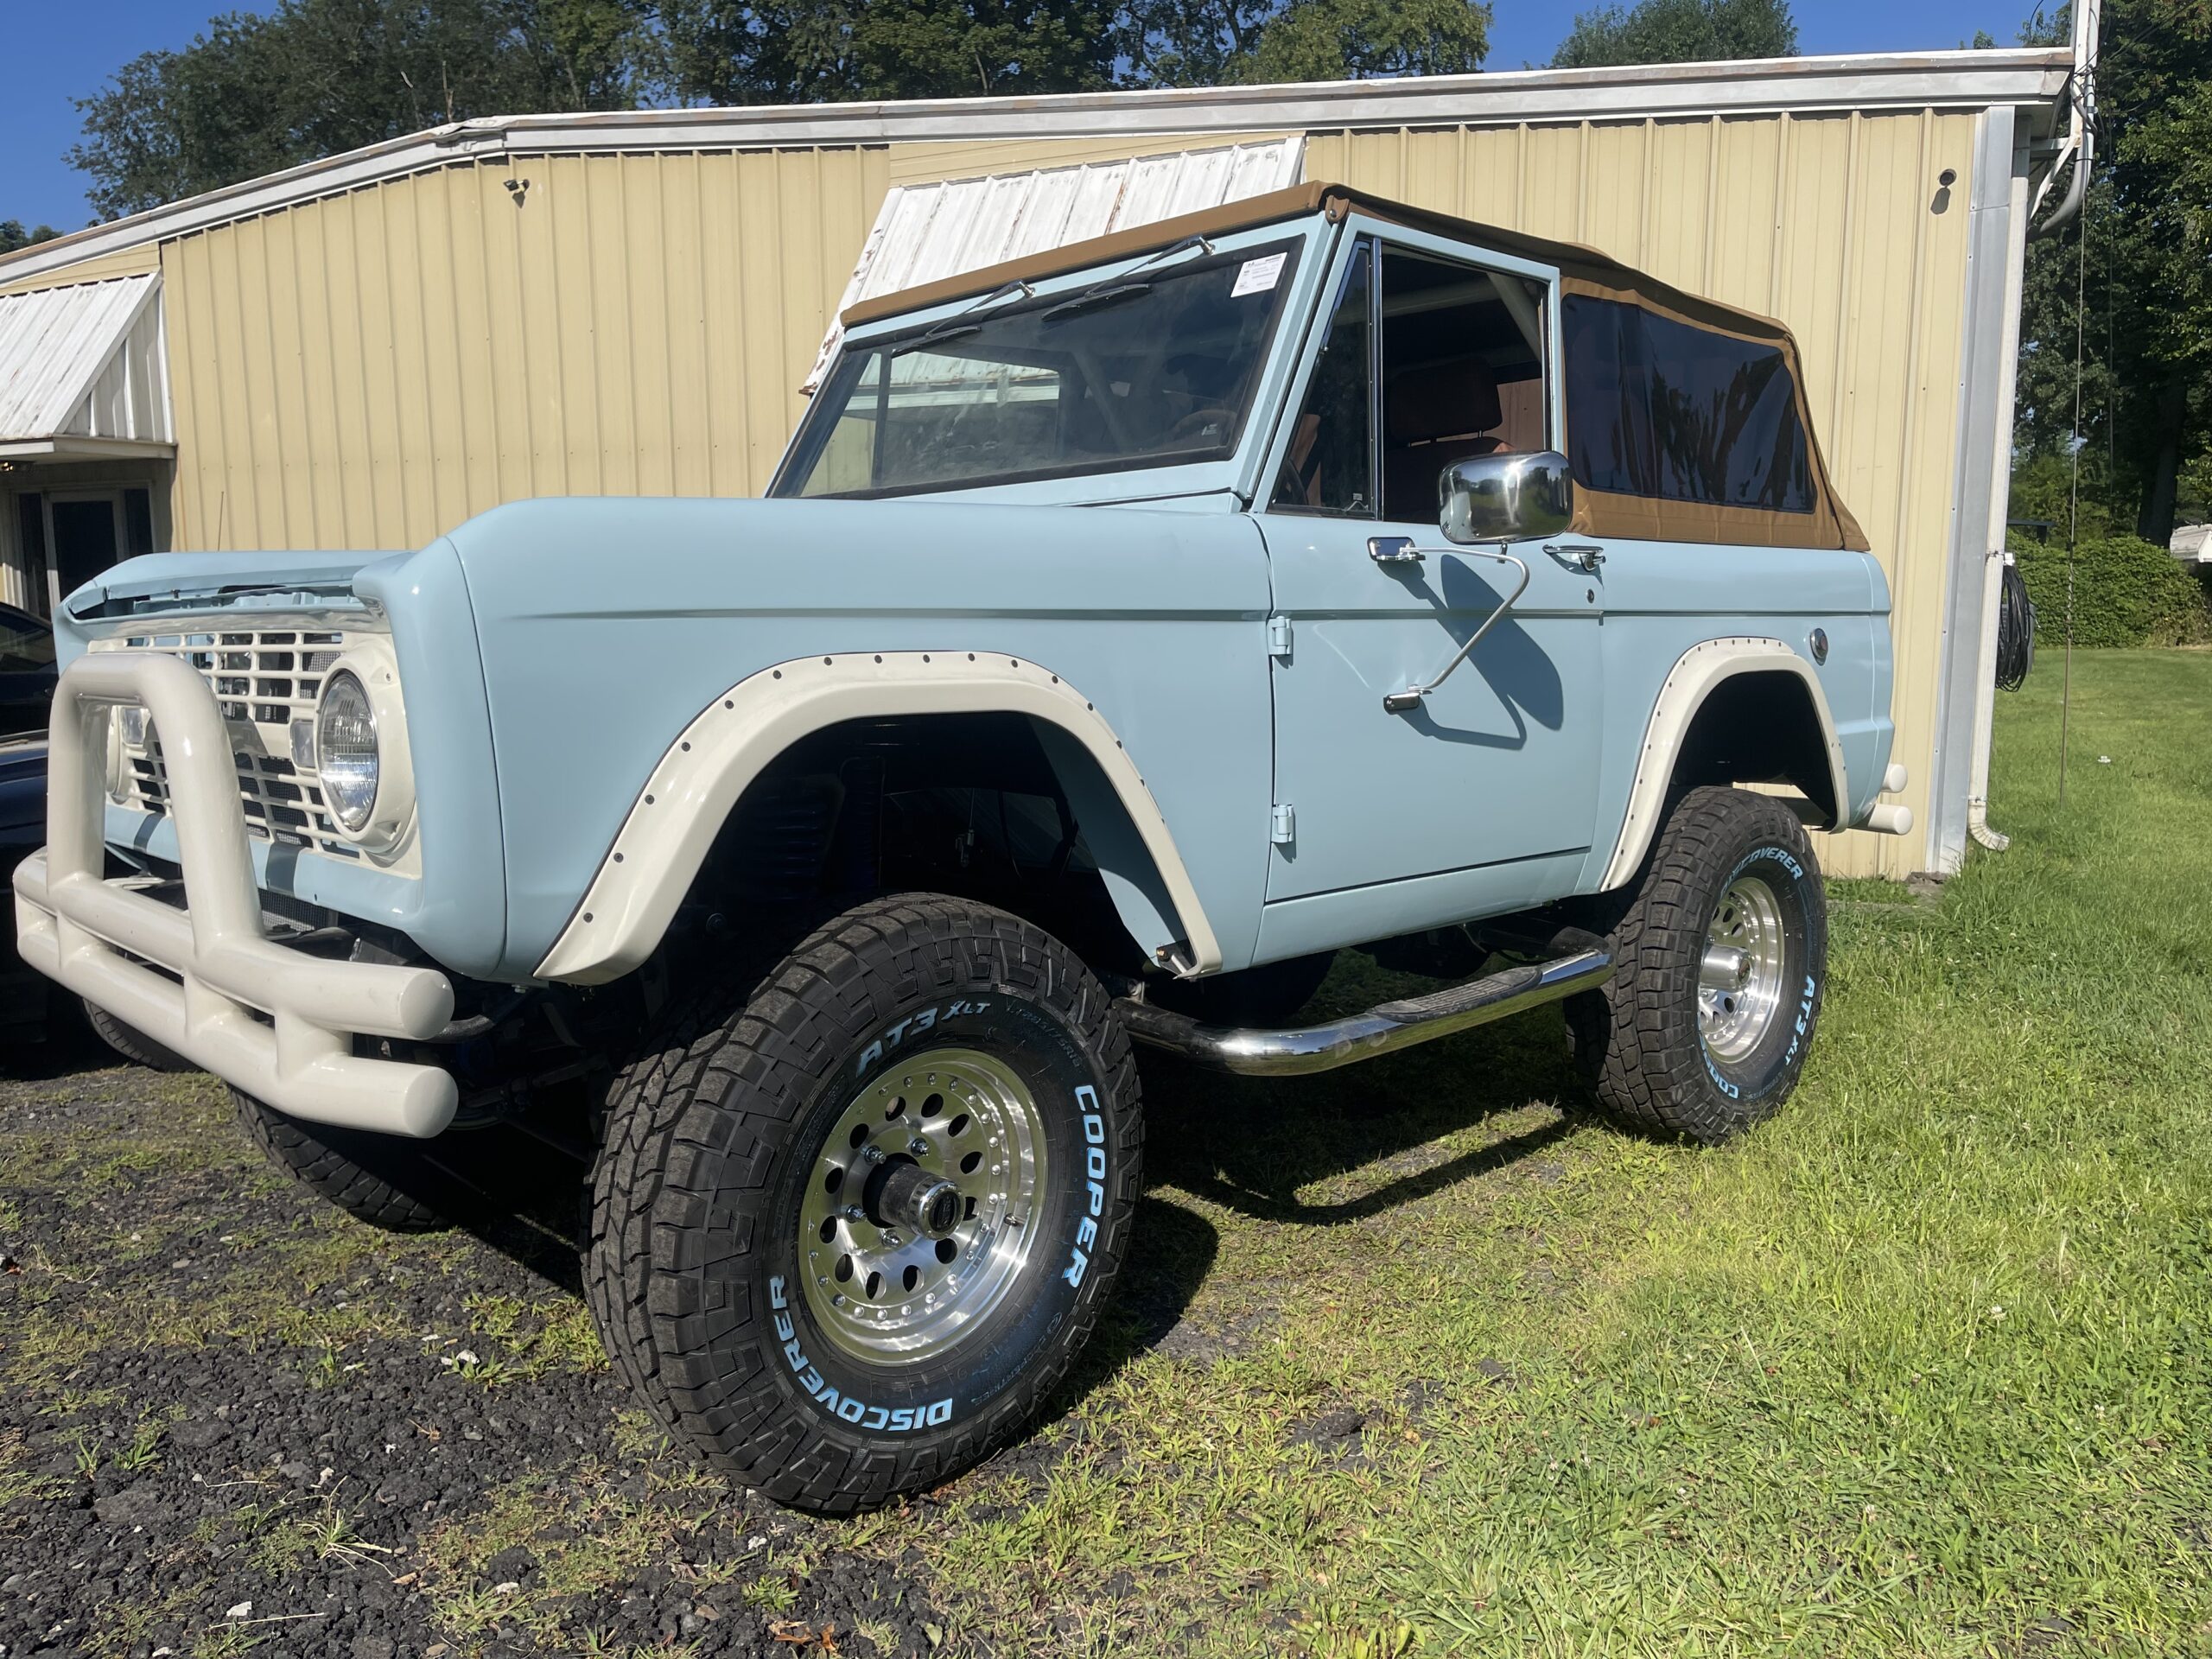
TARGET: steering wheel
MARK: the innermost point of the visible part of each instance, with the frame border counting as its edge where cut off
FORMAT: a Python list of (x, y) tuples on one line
[(1197, 420)]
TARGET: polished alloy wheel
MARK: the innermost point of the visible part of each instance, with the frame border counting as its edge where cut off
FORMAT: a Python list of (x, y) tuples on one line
[(1739, 978), (917, 1219)]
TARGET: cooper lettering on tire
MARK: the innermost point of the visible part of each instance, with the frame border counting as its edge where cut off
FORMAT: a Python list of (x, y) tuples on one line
[(1720, 954), (851, 1225)]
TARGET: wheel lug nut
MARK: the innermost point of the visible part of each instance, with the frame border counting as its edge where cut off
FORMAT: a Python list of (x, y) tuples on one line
[(918, 1147), (853, 1212)]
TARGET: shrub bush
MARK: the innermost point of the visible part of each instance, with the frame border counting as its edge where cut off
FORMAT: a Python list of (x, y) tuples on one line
[(2127, 592)]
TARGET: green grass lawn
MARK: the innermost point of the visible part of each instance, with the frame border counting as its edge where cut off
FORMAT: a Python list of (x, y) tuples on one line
[(1411, 1360), (1919, 1368)]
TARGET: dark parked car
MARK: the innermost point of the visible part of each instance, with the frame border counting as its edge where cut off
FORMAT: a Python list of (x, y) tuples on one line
[(26, 996), (27, 674)]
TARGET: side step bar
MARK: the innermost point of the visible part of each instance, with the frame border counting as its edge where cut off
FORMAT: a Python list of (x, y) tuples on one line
[(1381, 1030)]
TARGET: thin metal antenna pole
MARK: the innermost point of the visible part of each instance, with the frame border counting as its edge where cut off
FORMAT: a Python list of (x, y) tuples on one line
[(2073, 495)]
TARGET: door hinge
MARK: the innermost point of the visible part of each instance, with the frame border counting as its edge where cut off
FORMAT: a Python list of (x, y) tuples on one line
[(1285, 829), (1279, 637)]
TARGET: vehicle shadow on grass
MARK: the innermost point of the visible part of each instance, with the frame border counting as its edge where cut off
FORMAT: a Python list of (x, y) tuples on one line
[(1258, 1145)]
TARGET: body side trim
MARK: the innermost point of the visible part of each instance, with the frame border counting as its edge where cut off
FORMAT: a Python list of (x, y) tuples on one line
[(1694, 674), (704, 773)]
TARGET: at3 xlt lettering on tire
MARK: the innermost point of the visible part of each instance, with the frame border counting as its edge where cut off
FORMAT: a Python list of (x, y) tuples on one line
[(851, 1225), (1720, 955)]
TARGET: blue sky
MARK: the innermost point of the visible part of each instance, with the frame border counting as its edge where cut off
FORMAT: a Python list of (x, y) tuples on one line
[(61, 52)]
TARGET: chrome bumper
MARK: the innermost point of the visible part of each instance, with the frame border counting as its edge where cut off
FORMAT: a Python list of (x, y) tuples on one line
[(276, 1022)]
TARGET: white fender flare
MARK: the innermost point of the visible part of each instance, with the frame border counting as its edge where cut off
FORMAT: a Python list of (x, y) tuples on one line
[(691, 792), (1683, 693)]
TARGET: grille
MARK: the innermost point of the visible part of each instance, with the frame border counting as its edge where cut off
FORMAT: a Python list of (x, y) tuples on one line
[(263, 680)]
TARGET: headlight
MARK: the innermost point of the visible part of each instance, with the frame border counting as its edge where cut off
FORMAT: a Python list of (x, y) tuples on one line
[(345, 750)]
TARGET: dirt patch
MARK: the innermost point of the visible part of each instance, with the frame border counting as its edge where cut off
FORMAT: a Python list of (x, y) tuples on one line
[(234, 1419)]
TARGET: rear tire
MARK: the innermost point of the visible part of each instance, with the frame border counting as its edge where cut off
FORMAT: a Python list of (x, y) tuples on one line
[(746, 1267), (133, 1043), (1719, 961), (392, 1181)]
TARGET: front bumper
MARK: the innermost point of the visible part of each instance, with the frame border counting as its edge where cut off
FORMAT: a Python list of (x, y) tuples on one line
[(207, 981)]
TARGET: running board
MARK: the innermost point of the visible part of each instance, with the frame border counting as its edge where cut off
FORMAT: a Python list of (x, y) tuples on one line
[(1382, 1030)]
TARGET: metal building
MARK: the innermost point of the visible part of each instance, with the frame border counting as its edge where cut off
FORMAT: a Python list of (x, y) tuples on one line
[(364, 351)]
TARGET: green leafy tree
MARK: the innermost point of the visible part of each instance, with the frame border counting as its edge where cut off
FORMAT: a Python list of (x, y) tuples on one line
[(1330, 40), (254, 93), (1679, 31), (724, 52), (14, 236), (2145, 273), (1191, 42)]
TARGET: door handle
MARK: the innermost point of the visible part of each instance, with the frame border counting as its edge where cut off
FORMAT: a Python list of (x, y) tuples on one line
[(1588, 558), (1394, 550), (1405, 702)]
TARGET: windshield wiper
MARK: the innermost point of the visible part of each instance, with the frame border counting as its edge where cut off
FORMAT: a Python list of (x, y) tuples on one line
[(955, 325), (1120, 283), (1092, 298)]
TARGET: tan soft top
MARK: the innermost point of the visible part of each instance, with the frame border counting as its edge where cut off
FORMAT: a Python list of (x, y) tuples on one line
[(1582, 270)]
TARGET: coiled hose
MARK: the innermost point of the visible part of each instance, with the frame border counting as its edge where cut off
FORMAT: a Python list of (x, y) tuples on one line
[(2016, 630)]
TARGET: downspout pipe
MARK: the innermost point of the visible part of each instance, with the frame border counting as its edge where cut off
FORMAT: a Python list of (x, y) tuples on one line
[(2080, 141)]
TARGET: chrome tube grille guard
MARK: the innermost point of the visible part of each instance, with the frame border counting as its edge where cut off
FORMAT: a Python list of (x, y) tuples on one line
[(207, 981)]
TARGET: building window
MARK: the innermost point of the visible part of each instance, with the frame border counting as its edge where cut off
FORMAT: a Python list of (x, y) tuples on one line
[(30, 538)]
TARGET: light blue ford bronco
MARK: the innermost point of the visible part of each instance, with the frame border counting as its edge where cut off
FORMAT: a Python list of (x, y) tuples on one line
[(1128, 629)]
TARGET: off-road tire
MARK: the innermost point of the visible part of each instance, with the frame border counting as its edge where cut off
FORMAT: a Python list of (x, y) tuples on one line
[(133, 1043), (711, 1143), (396, 1182), (1638, 1039)]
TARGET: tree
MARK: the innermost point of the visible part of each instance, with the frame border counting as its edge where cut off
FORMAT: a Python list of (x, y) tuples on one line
[(314, 77), (727, 52), (14, 236), (2146, 324), (1679, 31), (255, 94), (1330, 40)]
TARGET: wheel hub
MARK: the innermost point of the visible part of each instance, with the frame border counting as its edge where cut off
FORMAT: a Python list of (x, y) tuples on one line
[(1739, 978), (917, 1219)]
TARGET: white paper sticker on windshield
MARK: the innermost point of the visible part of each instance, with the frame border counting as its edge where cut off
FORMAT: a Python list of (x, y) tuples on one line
[(1258, 275)]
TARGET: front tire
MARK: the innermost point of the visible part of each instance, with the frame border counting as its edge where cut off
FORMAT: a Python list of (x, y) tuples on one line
[(133, 1043), (836, 1329), (392, 1181), (1719, 961)]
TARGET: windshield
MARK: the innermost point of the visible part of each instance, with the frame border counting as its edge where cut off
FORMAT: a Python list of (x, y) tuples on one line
[(26, 642), (1154, 367)]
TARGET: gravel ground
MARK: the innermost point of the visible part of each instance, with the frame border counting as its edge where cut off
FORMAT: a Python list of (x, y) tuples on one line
[(235, 1419)]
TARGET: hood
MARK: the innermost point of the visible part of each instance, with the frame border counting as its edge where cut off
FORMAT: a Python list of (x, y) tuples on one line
[(160, 584)]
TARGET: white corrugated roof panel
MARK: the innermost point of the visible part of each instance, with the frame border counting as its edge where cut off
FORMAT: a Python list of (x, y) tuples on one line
[(926, 231), (85, 361)]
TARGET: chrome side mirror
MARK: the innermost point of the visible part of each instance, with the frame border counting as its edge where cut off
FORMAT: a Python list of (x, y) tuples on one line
[(1505, 497)]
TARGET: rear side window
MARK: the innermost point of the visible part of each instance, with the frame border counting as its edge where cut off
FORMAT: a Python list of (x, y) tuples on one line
[(1666, 410)]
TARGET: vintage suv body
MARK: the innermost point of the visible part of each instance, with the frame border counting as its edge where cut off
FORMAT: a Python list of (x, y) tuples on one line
[(1099, 666)]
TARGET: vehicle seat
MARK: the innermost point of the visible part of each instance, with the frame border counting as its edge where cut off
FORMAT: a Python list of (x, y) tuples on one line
[(1434, 414)]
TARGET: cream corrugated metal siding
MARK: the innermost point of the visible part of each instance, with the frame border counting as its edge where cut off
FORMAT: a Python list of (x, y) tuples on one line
[(371, 369), (1835, 224), (126, 262), (84, 361), (366, 351)]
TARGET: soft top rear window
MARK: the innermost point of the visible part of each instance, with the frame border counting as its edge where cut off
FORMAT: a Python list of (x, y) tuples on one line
[(1664, 409)]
